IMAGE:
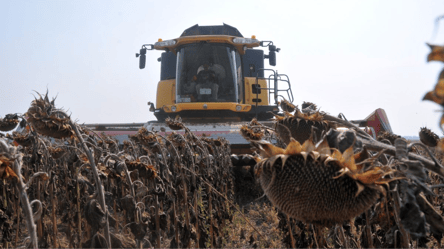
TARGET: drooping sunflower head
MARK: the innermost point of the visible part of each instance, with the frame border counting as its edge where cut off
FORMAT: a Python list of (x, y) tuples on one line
[(287, 106), (318, 183), (144, 137), (302, 125), (146, 171), (22, 139), (308, 106), (175, 124), (387, 137), (107, 141), (252, 131), (43, 117), (9, 122), (428, 137)]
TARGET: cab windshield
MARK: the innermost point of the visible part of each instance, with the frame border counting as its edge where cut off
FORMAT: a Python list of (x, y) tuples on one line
[(207, 72)]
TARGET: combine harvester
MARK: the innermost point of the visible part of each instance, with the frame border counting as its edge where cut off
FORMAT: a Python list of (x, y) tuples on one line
[(215, 80)]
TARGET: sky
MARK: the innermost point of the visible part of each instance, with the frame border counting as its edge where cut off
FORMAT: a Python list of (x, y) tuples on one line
[(348, 57)]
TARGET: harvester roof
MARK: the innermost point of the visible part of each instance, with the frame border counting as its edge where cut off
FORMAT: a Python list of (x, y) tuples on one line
[(212, 30)]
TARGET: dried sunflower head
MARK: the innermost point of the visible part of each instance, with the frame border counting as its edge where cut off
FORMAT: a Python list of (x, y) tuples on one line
[(145, 170), (318, 184), (287, 106), (428, 137), (301, 126), (107, 141), (387, 137), (144, 137), (175, 124), (42, 117), (24, 140), (220, 141), (308, 106), (252, 131), (9, 122)]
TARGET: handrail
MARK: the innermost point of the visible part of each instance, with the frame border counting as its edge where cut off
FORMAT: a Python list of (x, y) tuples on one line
[(275, 89)]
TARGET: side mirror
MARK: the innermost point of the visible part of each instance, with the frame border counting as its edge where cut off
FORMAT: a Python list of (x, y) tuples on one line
[(152, 109), (272, 58), (272, 54), (142, 58)]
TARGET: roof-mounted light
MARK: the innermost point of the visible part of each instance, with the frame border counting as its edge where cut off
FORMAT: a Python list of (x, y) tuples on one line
[(240, 40), (166, 43)]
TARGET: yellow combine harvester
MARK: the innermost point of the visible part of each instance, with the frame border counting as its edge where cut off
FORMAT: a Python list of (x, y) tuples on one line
[(213, 78)]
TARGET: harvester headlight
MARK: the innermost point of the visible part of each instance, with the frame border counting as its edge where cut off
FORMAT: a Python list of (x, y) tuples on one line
[(241, 40), (238, 108), (173, 108), (165, 43)]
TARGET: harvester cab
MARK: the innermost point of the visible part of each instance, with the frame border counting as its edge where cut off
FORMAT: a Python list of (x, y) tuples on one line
[(213, 74)]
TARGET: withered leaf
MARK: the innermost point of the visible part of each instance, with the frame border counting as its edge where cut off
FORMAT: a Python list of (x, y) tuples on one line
[(6, 172), (437, 53)]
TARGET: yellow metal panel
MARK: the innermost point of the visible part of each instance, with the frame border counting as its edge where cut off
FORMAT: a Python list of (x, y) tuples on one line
[(208, 106), (250, 96), (166, 93)]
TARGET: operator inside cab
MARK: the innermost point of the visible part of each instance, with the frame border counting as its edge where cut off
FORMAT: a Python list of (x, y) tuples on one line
[(206, 82)]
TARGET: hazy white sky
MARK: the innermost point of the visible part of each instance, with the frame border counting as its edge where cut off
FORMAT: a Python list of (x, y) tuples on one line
[(345, 56)]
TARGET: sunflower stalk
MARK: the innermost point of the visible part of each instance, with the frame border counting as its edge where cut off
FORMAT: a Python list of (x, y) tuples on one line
[(27, 210), (17, 158), (99, 187)]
